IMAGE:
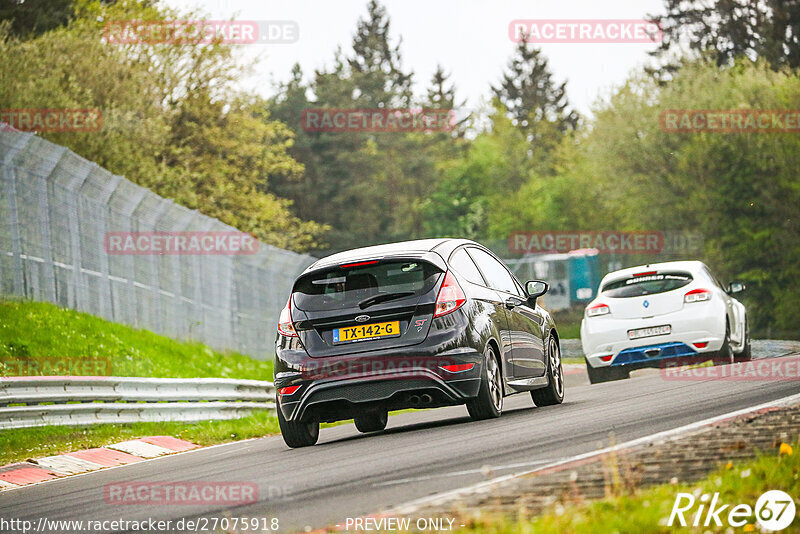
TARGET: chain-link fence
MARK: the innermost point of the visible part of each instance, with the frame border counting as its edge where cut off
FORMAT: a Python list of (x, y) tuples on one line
[(56, 210)]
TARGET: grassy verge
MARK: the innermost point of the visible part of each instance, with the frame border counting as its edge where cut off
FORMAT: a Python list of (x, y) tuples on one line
[(568, 322), (649, 509), (34, 332), (38, 332)]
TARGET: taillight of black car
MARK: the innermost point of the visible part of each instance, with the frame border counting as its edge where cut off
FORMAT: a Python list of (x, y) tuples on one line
[(451, 297), (285, 324)]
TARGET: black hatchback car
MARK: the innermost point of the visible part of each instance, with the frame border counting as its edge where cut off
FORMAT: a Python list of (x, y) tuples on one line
[(418, 324)]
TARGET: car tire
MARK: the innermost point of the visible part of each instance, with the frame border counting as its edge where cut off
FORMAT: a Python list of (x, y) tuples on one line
[(725, 354), (372, 422), (489, 402), (598, 375), (747, 352), (554, 392), (298, 433)]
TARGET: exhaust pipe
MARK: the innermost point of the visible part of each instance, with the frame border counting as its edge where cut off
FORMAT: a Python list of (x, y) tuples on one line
[(413, 399), (426, 399)]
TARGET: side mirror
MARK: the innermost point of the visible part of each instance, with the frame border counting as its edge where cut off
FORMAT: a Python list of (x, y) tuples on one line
[(736, 287), (535, 289)]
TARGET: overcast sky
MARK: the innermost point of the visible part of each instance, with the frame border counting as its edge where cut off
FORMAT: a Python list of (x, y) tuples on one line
[(468, 37)]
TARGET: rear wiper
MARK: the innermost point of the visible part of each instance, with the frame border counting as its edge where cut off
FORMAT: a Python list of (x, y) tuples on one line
[(383, 297)]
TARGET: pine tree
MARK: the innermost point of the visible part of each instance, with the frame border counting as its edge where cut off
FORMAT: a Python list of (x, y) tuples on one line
[(728, 29), (531, 96), (440, 95), (376, 65)]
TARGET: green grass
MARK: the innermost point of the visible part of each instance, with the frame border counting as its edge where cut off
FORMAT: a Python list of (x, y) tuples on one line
[(648, 510), (568, 322), (38, 332)]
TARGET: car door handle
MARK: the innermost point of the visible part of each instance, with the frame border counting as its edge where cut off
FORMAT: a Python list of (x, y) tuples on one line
[(513, 302)]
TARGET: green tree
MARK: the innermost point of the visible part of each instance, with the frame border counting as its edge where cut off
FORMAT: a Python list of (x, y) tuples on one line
[(369, 187), (537, 105), (30, 18), (171, 118), (376, 64), (729, 29), (739, 190)]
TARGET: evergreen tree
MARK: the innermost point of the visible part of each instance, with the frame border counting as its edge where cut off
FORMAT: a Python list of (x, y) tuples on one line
[(30, 18), (532, 97), (376, 65), (439, 94), (730, 29)]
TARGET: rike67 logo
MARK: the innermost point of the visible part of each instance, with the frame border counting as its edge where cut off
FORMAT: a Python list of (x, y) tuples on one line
[(774, 511)]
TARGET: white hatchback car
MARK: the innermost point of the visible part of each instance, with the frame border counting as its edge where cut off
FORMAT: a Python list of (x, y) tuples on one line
[(648, 315)]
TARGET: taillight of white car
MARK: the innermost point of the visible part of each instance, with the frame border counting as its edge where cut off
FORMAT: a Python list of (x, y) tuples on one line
[(697, 295), (597, 309)]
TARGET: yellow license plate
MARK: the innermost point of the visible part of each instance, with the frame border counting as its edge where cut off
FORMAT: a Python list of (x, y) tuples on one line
[(366, 331)]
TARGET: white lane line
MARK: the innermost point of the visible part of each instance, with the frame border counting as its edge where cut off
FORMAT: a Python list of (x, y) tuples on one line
[(482, 487), (485, 469)]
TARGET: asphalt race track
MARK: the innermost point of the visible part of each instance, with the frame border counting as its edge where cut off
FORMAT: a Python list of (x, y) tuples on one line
[(349, 474)]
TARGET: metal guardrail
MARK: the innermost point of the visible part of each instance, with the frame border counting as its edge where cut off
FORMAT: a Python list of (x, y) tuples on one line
[(75, 400)]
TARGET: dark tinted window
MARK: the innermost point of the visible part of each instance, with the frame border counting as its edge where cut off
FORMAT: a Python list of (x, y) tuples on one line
[(636, 286), (497, 276), (339, 288), (463, 265)]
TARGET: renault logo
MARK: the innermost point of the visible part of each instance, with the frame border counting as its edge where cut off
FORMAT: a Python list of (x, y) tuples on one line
[(362, 318), (646, 304)]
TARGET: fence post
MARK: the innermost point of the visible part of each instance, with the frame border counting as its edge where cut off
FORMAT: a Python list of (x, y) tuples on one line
[(106, 308), (9, 185), (155, 263), (79, 294), (9, 178), (130, 260), (45, 232)]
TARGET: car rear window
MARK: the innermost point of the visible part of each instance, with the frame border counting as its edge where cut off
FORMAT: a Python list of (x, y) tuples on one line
[(344, 288), (650, 284)]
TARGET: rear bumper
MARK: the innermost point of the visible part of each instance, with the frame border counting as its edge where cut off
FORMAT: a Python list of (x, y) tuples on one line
[(346, 388), (697, 331), (344, 399), (656, 355)]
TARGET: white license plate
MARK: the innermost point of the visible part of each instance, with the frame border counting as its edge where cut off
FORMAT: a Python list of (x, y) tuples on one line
[(649, 332)]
